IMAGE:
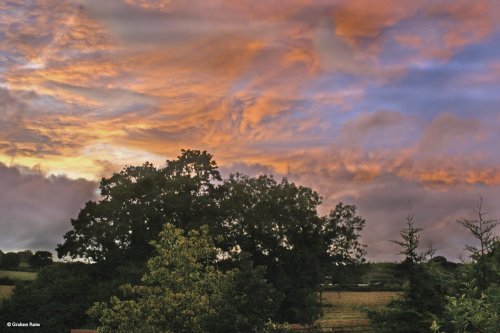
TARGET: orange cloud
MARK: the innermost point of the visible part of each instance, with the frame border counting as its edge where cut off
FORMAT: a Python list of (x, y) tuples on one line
[(476, 21), (364, 101), (235, 87), (366, 19)]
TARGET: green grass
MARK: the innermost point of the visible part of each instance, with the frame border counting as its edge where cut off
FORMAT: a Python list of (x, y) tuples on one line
[(15, 275), (5, 291)]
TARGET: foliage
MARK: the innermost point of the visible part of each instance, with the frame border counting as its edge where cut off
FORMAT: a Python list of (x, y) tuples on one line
[(476, 308), (423, 300), (60, 295), (470, 312), (10, 260), (24, 256), (136, 202), (342, 229), (275, 223), (482, 230), (410, 243), (6, 281), (40, 259), (46, 300), (278, 225), (184, 291)]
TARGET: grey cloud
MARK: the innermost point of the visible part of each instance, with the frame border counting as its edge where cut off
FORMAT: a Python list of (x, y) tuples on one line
[(386, 196), (35, 210), (449, 130), (336, 54), (381, 127), (145, 27), (386, 201)]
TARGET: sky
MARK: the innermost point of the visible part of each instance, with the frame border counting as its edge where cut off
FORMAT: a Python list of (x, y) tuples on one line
[(389, 105)]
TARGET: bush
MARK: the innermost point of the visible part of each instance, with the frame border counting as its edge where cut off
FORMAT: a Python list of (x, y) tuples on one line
[(183, 290)]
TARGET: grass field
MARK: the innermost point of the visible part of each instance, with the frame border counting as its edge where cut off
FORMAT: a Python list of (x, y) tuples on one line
[(5, 291), (345, 308), (15, 275)]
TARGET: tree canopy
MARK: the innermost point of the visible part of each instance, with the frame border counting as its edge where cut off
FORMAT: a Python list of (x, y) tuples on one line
[(40, 259), (136, 202), (9, 260), (275, 223)]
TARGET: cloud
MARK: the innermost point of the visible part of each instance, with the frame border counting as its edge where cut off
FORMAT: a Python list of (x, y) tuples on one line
[(449, 131), (376, 129), (385, 196), (387, 201), (35, 210), (342, 95)]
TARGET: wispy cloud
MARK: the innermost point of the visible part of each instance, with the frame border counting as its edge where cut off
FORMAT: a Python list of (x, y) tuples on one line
[(345, 96)]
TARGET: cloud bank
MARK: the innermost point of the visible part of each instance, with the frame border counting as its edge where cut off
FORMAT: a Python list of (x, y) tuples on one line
[(35, 210)]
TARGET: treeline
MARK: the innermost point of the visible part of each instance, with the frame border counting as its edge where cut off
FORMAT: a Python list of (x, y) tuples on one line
[(380, 276), (25, 259)]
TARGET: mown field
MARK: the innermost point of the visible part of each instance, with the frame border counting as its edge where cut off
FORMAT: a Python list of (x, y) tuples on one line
[(5, 291), (346, 309), (16, 275)]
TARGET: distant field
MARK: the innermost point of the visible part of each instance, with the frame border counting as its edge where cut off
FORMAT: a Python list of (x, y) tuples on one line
[(5, 291), (344, 308), (15, 275)]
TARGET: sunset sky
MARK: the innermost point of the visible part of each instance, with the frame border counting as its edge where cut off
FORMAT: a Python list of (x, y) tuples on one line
[(391, 105)]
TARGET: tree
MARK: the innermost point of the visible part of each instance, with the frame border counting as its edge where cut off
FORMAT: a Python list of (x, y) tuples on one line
[(54, 299), (474, 309), (184, 291), (136, 202), (277, 223), (25, 256), (482, 230), (10, 260), (342, 228), (345, 253), (410, 243), (423, 299), (40, 259), (61, 293), (472, 312)]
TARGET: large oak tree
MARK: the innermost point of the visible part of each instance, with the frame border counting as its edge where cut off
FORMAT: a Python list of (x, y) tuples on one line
[(275, 222)]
